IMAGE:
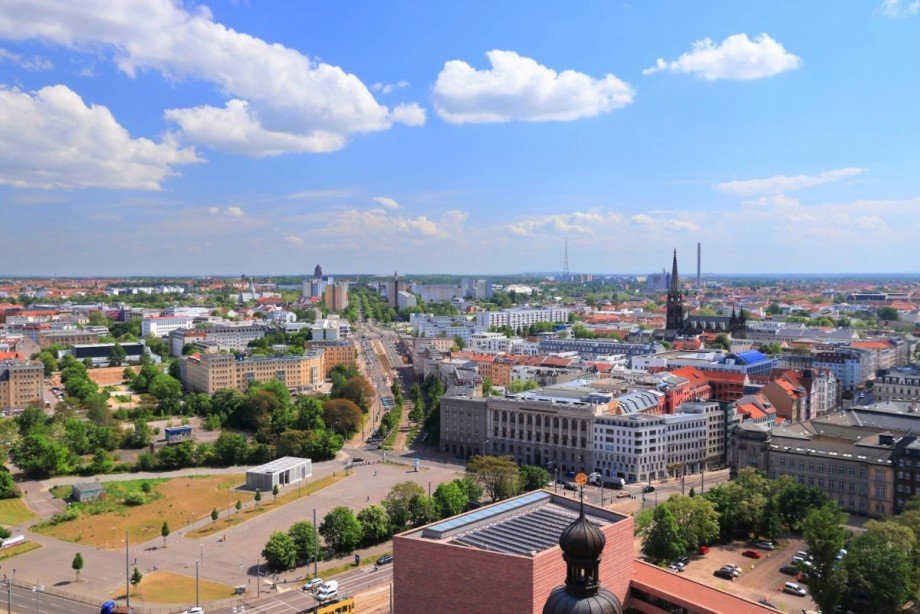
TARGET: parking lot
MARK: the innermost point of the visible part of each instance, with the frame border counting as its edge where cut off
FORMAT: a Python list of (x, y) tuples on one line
[(759, 579)]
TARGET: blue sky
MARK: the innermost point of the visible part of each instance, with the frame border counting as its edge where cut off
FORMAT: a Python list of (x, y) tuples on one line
[(152, 137)]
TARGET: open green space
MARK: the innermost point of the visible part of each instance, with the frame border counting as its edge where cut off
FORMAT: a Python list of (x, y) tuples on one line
[(167, 587), (14, 511), (18, 549)]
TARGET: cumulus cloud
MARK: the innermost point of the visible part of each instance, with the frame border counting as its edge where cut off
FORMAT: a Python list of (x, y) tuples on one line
[(578, 222), (282, 100), (519, 88), (213, 210), (51, 139), (378, 225), (736, 58), (386, 203), (235, 212), (783, 183), (294, 240), (900, 8)]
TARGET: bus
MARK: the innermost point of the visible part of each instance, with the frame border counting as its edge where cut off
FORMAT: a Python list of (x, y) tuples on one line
[(339, 606)]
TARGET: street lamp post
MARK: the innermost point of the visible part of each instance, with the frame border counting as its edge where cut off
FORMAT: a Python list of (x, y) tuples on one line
[(556, 481), (196, 585)]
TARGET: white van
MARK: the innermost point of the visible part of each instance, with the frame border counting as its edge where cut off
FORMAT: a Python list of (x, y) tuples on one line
[(328, 591)]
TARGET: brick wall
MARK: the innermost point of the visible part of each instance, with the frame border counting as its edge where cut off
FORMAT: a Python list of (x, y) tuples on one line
[(433, 576)]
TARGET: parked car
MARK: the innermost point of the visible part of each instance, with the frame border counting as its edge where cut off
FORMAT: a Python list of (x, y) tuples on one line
[(570, 486), (195, 610), (794, 589), (804, 555), (765, 545), (724, 573), (677, 566), (683, 560), (312, 584), (736, 570), (623, 495), (648, 488), (754, 554), (385, 559), (704, 550), (789, 570)]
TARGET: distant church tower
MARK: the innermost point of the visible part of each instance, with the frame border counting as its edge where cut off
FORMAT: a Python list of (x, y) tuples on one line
[(675, 314)]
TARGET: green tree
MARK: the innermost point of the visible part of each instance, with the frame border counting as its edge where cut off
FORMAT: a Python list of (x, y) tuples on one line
[(275, 493), (231, 448), (771, 525), (117, 356), (879, 572), (486, 386), (77, 564), (341, 529), (498, 475), (422, 510), (824, 533), (239, 505), (302, 533), (168, 392), (533, 477), (887, 314), (697, 520), (471, 488), (214, 515), (280, 552), (136, 577), (258, 496), (663, 541), (459, 342), (795, 501), (164, 532), (375, 524), (450, 499), (8, 489), (396, 503), (39, 456)]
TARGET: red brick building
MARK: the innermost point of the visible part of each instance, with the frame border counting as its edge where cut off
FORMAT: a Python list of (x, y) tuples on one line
[(505, 557)]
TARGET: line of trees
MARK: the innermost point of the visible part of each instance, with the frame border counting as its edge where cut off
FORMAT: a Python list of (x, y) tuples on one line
[(502, 478), (405, 506)]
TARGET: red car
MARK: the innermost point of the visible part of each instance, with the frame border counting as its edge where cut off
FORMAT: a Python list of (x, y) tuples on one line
[(704, 550), (752, 554)]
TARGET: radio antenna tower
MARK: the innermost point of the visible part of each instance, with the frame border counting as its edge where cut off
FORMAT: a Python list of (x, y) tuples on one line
[(565, 263)]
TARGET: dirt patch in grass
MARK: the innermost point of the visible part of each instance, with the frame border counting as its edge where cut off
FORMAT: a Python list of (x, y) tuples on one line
[(14, 511), (181, 501), (265, 505), (18, 549), (168, 587)]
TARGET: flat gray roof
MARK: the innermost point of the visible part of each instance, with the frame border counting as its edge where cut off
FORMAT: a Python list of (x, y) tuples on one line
[(279, 464)]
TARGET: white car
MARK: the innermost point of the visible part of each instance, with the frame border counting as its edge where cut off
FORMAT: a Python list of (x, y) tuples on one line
[(195, 610), (794, 589), (312, 584)]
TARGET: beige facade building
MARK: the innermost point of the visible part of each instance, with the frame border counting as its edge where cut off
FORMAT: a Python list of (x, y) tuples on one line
[(66, 337), (899, 384), (211, 372), (20, 383), (334, 353), (335, 296), (852, 465)]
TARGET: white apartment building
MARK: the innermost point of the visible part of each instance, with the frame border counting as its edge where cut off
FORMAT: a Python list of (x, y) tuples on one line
[(161, 326), (490, 343), (427, 325), (235, 338), (521, 318), (332, 328)]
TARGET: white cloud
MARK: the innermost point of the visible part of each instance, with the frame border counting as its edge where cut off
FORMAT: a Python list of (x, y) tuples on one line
[(783, 183), (51, 139), (386, 202), (900, 8), (213, 210), (519, 88), (389, 88), (284, 100), (735, 58), (578, 222), (235, 212), (294, 240), (409, 114), (378, 226), (31, 63)]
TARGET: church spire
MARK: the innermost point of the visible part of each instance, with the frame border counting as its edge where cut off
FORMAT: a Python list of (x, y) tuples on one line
[(675, 280)]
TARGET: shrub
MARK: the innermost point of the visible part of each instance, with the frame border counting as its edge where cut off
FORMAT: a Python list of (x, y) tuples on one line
[(4, 533), (135, 498), (69, 514)]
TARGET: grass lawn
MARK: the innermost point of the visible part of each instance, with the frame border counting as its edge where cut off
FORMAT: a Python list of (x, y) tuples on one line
[(168, 587), (264, 506), (18, 549), (14, 511), (178, 501)]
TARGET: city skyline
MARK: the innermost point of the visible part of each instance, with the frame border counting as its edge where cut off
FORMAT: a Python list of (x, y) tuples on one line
[(146, 138)]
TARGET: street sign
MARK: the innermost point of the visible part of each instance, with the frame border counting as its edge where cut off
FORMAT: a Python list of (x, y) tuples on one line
[(581, 479)]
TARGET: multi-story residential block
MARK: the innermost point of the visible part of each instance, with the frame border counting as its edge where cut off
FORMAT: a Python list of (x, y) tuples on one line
[(493, 343), (886, 352), (850, 366), (898, 384), (47, 338), (233, 338), (333, 328), (520, 318), (427, 325), (211, 372), (405, 300), (906, 472), (20, 383), (437, 293), (334, 353), (162, 326), (591, 349), (335, 296)]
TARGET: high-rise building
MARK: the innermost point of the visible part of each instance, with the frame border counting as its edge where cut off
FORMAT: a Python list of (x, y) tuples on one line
[(20, 383), (335, 296)]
